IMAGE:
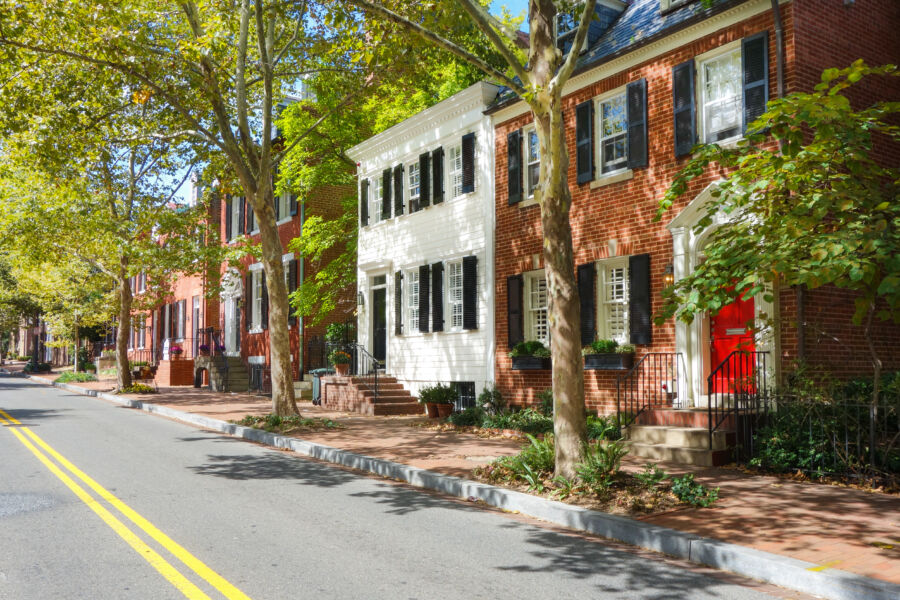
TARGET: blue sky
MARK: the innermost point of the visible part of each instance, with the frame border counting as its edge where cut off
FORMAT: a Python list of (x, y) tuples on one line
[(515, 7)]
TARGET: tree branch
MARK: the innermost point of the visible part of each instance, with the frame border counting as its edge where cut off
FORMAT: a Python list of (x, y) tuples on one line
[(562, 76), (485, 22)]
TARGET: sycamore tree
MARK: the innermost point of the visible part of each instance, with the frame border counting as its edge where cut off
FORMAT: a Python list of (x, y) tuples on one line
[(536, 71), (816, 208)]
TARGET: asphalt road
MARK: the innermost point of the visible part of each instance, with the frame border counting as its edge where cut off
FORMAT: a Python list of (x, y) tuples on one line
[(264, 524)]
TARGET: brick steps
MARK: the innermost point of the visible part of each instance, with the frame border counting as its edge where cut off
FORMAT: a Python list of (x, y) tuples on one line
[(352, 394)]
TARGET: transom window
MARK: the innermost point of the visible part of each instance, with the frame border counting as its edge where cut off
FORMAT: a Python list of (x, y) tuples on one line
[(377, 183), (533, 161), (455, 294), (412, 300), (537, 325), (456, 171), (612, 293), (613, 135), (721, 96), (414, 185)]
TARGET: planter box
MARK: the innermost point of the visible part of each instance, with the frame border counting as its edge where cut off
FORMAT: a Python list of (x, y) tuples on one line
[(530, 363), (610, 362)]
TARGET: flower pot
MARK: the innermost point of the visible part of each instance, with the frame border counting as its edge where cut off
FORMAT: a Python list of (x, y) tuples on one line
[(530, 363), (342, 369), (431, 410), (444, 410), (612, 361)]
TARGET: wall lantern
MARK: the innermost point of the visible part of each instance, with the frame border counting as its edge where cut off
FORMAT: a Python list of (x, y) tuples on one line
[(360, 298), (669, 275)]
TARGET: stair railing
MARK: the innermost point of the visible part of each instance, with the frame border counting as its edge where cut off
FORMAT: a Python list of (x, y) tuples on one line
[(656, 380), (213, 338), (364, 368), (737, 392)]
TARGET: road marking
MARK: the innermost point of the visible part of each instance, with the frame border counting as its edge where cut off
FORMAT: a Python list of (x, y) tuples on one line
[(192, 562), (825, 566)]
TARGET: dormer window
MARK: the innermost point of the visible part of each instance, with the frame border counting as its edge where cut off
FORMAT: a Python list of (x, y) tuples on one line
[(670, 5), (605, 13)]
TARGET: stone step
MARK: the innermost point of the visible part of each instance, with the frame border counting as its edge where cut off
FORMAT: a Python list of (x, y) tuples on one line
[(679, 437), (395, 408), (677, 454), (679, 417), (382, 392)]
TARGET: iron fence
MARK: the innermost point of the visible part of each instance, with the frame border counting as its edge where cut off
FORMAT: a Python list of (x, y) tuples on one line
[(656, 380)]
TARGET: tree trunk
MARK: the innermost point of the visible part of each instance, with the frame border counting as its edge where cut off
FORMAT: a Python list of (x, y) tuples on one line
[(123, 372), (283, 402)]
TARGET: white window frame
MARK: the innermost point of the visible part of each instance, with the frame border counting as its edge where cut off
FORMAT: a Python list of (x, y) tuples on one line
[(284, 207), (411, 301), (455, 170), (375, 203), (529, 190), (256, 273), (414, 187), (455, 294), (606, 304), (604, 99), (141, 333), (235, 217), (731, 49), (533, 309)]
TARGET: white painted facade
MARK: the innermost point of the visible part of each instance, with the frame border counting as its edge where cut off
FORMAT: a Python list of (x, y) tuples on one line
[(460, 226)]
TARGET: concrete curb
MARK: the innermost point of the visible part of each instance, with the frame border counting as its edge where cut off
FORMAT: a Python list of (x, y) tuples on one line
[(764, 566)]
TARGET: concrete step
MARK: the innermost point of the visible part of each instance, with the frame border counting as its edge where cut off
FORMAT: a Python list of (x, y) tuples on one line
[(682, 455), (677, 417), (395, 408), (685, 437)]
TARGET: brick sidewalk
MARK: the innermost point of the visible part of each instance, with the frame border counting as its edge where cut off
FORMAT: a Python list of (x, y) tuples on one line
[(833, 527)]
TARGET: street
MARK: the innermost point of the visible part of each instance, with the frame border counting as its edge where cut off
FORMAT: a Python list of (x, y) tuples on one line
[(98, 501)]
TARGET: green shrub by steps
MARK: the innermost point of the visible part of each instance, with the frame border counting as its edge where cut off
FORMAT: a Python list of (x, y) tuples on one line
[(75, 378), (137, 388), (690, 492)]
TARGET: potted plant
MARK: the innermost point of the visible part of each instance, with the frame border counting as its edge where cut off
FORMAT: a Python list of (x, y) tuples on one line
[(438, 400), (176, 351), (530, 356), (204, 349), (608, 355), (341, 361)]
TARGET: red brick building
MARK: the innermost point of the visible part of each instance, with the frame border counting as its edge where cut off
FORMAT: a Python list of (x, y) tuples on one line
[(663, 75)]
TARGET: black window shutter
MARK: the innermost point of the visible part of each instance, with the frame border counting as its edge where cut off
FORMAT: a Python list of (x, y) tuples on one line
[(183, 319), (293, 204), (515, 324), (755, 67), (468, 163), (242, 208), (587, 297), (584, 141), (265, 302), (398, 303), (639, 299), (251, 220), (364, 203), (437, 175), (424, 181), (514, 166), (424, 292), (228, 201), (437, 297), (683, 105), (386, 194), (470, 292), (248, 302), (636, 106), (276, 205), (398, 190), (291, 267)]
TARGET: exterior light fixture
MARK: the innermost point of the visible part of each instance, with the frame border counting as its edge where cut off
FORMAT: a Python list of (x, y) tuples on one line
[(360, 299), (669, 275)]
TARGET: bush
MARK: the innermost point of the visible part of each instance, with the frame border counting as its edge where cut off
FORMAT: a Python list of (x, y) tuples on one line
[(84, 357), (527, 421), (137, 363), (23, 358), (337, 332), (41, 367), (690, 492), (530, 348), (601, 347), (75, 377), (137, 388), (474, 416), (531, 465), (651, 476), (603, 428), (491, 400), (546, 400), (438, 394), (602, 462)]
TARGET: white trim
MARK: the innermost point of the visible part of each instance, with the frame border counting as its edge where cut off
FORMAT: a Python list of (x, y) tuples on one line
[(602, 325), (526, 134), (700, 91), (598, 143), (256, 360)]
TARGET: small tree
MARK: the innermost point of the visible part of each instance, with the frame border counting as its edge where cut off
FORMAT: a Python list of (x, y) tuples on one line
[(813, 209)]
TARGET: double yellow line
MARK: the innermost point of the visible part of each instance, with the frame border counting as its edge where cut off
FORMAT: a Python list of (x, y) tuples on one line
[(172, 574)]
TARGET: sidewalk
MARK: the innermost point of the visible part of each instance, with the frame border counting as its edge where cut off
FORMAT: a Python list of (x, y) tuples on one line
[(833, 527)]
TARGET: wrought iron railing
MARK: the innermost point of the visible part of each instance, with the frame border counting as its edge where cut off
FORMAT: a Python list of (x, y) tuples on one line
[(736, 390), (656, 380), (212, 343)]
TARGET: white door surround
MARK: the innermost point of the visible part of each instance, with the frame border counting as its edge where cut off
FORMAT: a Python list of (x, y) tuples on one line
[(232, 291)]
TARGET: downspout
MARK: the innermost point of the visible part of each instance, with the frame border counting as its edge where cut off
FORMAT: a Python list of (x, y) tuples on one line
[(301, 275)]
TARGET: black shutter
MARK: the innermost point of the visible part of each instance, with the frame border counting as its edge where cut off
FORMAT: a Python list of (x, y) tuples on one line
[(587, 297), (182, 319), (364, 203), (514, 166), (636, 104), (639, 299), (228, 201), (292, 285), (248, 302), (468, 163), (755, 67), (293, 204), (515, 323), (424, 292), (683, 105), (437, 297), (241, 212), (386, 194), (276, 205), (398, 303), (437, 175), (251, 220), (584, 141), (398, 190), (264, 312), (470, 292), (424, 181)]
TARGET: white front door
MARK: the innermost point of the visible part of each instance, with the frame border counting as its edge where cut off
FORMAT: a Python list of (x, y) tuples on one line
[(232, 327)]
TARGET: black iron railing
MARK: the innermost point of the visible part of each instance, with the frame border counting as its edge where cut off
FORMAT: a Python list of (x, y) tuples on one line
[(657, 380), (736, 393), (260, 379)]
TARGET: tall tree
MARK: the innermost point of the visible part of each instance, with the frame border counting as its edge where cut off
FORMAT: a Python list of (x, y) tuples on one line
[(536, 72)]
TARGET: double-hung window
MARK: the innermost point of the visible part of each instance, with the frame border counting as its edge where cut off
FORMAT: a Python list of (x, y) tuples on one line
[(612, 293), (532, 161), (721, 96), (455, 294), (256, 300), (236, 216), (456, 171), (537, 325), (376, 196), (415, 189), (613, 134), (284, 206), (412, 300)]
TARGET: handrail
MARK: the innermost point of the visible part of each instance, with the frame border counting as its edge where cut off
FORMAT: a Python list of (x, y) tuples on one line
[(363, 366), (735, 389), (653, 381)]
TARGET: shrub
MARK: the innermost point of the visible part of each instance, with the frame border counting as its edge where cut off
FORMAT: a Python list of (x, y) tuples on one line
[(527, 421), (75, 377), (651, 476), (336, 332), (602, 462), (137, 388), (603, 428), (137, 363), (530, 465), (546, 400), (626, 349), (339, 357), (491, 400), (272, 422), (438, 394), (690, 492), (530, 348), (108, 354), (474, 416), (601, 347), (40, 367)]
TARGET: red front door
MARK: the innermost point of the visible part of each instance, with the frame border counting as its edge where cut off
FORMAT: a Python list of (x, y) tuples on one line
[(729, 331)]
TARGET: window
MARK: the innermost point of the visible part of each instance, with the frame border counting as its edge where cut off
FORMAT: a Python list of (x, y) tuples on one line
[(412, 299), (537, 327), (455, 294), (721, 96), (612, 292), (256, 300), (236, 216), (415, 190), (532, 161), (377, 186), (456, 171), (613, 134), (252, 226), (284, 207), (465, 391)]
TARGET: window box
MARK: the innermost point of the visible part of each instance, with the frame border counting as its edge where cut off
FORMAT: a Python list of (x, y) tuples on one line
[(530, 363), (609, 361)]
